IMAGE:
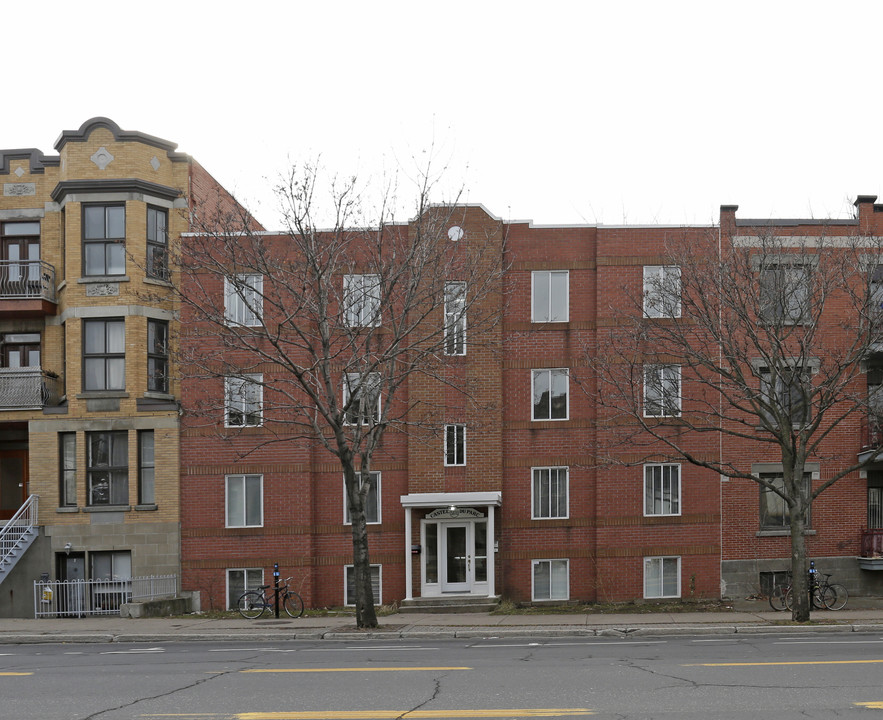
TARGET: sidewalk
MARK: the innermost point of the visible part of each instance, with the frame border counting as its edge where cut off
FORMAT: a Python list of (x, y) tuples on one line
[(749, 616)]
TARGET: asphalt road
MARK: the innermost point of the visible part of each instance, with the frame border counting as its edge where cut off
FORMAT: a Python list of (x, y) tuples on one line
[(685, 678)]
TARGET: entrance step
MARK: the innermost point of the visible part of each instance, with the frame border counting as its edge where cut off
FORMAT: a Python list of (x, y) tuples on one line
[(450, 604)]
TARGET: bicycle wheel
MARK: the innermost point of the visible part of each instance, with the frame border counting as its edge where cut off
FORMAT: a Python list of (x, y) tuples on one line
[(777, 598), (836, 598), (789, 599), (818, 598), (251, 605), (293, 604)]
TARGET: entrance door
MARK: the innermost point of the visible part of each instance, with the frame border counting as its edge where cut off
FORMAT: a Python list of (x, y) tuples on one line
[(457, 557), (13, 481)]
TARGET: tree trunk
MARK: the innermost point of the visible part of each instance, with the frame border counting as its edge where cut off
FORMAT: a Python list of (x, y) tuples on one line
[(801, 605), (366, 617)]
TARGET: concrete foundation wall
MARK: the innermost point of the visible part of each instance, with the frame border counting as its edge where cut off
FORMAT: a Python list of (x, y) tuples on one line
[(742, 578), (17, 588)]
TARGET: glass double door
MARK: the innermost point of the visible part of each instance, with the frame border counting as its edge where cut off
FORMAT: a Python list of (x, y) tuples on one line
[(456, 556)]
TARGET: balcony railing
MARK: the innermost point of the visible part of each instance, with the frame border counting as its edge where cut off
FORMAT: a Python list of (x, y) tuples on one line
[(872, 544), (29, 279), (28, 389)]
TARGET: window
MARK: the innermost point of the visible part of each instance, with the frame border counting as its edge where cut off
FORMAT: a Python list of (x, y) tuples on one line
[(550, 293), (662, 490), (104, 354), (157, 243), (875, 500), (107, 468), (361, 406), (551, 580), (244, 300), (104, 236), (245, 501), (662, 291), (157, 356), (20, 272), (875, 295), (549, 492), (245, 399), (146, 468), (455, 444), (239, 580), (116, 568), (361, 300), (875, 402), (550, 394), (786, 393), (774, 511), (67, 465), (20, 350), (372, 500), (662, 390), (455, 318), (350, 585), (784, 291), (662, 577)]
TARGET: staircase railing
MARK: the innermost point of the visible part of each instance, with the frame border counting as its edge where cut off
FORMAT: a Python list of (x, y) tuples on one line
[(18, 528)]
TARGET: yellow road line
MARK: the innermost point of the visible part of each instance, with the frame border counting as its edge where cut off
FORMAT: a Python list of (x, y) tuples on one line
[(353, 669), (796, 662), (415, 714), (4, 674)]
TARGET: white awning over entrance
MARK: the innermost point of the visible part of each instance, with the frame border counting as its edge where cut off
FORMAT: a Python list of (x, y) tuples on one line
[(425, 500)]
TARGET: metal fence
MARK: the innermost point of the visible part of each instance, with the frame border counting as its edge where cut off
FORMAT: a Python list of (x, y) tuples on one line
[(82, 598), (28, 388), (27, 279)]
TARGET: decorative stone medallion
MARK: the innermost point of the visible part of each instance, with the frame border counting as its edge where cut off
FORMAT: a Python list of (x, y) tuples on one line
[(102, 157), (102, 289)]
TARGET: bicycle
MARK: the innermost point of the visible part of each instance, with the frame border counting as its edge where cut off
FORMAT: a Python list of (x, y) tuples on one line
[(825, 594), (254, 603)]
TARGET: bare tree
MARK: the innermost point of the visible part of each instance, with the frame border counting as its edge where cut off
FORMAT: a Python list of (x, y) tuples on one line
[(762, 340), (342, 317)]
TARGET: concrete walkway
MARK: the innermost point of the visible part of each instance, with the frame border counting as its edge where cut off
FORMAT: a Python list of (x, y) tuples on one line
[(743, 617)]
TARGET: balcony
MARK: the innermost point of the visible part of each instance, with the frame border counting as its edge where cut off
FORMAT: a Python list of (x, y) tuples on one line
[(27, 288), (28, 389), (871, 550)]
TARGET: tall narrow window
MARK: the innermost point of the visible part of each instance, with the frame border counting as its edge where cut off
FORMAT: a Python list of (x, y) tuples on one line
[(67, 452), (104, 354), (662, 291), (550, 394), (104, 239), (107, 468), (662, 489), (244, 404), (455, 318), (550, 291), (662, 390), (549, 492), (361, 300), (455, 444), (21, 273), (146, 468), (157, 356), (361, 398), (244, 300), (372, 500), (157, 243), (245, 500)]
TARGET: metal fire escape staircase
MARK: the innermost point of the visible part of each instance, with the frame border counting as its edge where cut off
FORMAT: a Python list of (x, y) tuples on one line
[(17, 535)]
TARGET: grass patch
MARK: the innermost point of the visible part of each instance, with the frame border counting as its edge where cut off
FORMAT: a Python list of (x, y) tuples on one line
[(507, 607)]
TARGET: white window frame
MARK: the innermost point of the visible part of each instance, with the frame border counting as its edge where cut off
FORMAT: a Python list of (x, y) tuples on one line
[(351, 383), (237, 400), (455, 429), (375, 492), (665, 379), (662, 291), (537, 497), (361, 300), (243, 480), (245, 584), (655, 582), (533, 579), (244, 300), (543, 279), (661, 490), (455, 318), (551, 374), (377, 585)]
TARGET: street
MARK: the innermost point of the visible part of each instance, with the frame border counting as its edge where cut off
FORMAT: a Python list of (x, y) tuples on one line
[(811, 675)]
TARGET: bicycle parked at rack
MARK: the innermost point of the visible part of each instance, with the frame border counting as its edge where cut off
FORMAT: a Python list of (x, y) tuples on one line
[(254, 603), (824, 594)]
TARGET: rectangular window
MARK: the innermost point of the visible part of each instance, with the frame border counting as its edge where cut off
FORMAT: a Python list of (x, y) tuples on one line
[(774, 511), (107, 468), (662, 489), (550, 296), (350, 585), (245, 501), (455, 318), (67, 465), (875, 295), (21, 273), (244, 300), (551, 580), (875, 508), (19, 350), (104, 239), (361, 405), (244, 401), (115, 567), (549, 492), (104, 354), (786, 392), (785, 292), (239, 580), (875, 402), (361, 300), (455, 444), (662, 291), (372, 501), (662, 390), (550, 394), (662, 577), (157, 356), (157, 243), (146, 468)]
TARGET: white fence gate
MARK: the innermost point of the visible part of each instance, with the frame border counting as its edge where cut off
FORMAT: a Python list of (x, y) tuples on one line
[(80, 598)]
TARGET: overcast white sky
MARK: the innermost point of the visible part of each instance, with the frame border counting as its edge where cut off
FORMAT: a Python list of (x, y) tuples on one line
[(559, 112)]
